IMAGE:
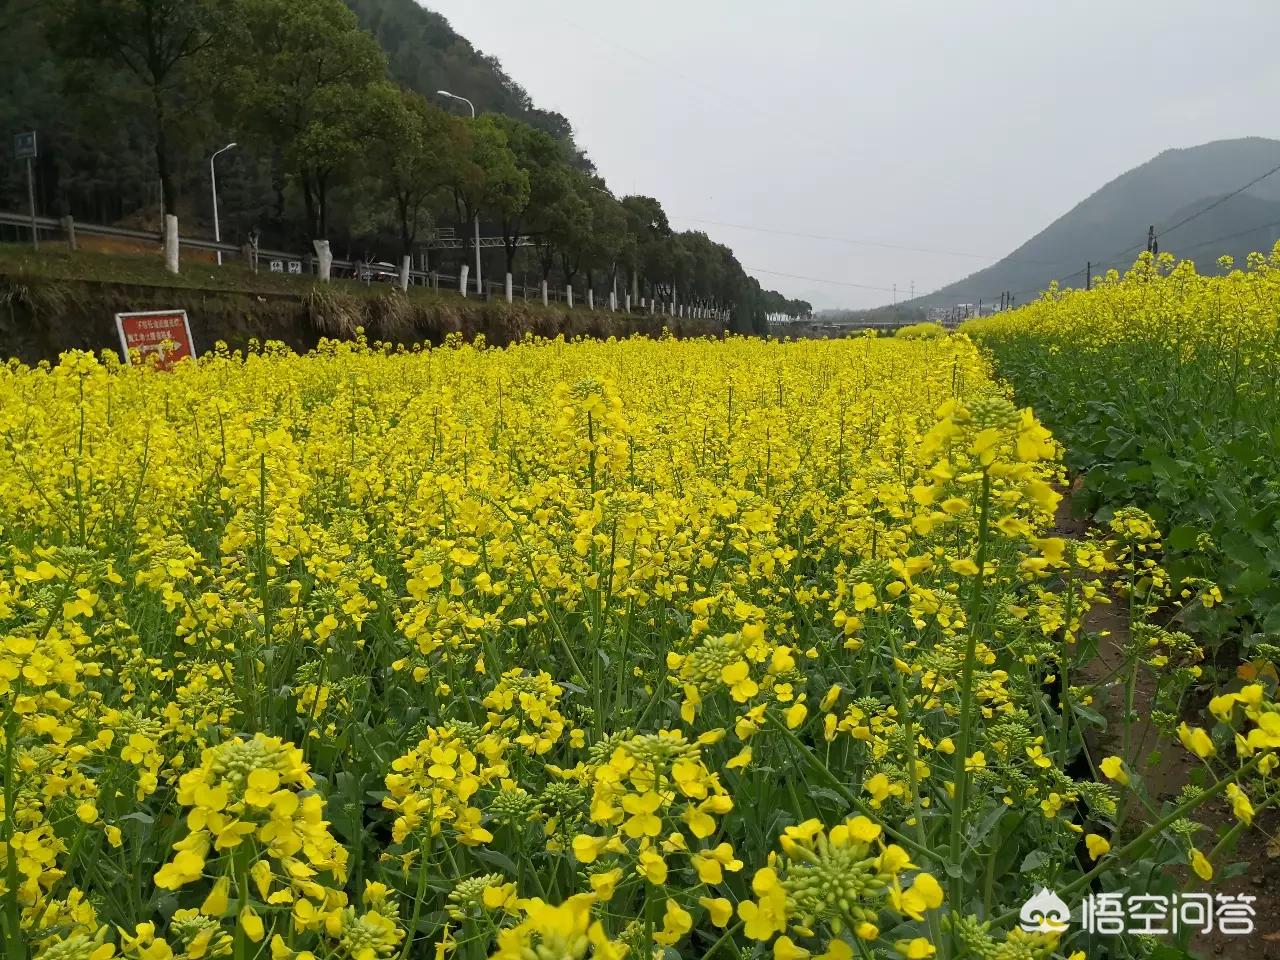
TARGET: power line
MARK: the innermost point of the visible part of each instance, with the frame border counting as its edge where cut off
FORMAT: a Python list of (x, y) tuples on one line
[(1219, 201), (1232, 236), (864, 243), (1116, 257), (707, 88), (1194, 246), (838, 283)]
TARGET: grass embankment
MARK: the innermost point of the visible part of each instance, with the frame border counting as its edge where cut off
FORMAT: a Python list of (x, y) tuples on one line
[(232, 276), (54, 300)]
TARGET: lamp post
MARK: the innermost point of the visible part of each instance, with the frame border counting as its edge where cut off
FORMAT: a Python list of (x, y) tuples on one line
[(454, 96), (213, 182)]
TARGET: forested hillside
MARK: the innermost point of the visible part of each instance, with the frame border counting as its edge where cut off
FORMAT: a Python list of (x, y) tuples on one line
[(425, 54), (339, 137)]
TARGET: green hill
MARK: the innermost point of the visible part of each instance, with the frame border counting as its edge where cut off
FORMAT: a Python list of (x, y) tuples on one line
[(425, 54), (1109, 228)]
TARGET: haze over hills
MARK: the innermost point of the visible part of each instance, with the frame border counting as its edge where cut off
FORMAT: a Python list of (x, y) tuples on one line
[(1109, 228)]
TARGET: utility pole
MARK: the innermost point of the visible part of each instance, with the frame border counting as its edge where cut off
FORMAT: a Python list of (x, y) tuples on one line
[(1088, 275), (24, 148), (31, 201), (895, 294), (1151, 239)]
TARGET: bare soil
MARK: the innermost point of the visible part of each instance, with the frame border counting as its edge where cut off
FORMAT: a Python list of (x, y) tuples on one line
[(1167, 768)]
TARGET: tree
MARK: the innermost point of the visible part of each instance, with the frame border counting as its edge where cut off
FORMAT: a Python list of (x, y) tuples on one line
[(607, 240), (569, 239), (426, 55), (564, 226), (157, 41), (543, 162), (413, 156), (486, 178), (647, 227), (304, 74)]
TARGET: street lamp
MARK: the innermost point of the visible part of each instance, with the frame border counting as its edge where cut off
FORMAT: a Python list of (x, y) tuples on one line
[(454, 96), (213, 182)]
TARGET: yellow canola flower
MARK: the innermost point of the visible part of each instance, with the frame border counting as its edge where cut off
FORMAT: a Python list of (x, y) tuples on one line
[(251, 923), (916, 949), (1196, 740), (719, 910), (676, 922), (1240, 804), (1200, 864), (216, 903), (1098, 845), (1113, 768), (924, 894)]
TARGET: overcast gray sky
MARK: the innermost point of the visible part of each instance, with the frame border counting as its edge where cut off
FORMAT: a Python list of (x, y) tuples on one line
[(959, 127)]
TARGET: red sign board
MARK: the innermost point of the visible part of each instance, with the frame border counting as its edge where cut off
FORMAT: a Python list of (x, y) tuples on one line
[(164, 332)]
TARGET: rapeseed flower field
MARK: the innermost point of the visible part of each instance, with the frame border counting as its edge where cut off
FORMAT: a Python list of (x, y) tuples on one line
[(591, 649), (1164, 386)]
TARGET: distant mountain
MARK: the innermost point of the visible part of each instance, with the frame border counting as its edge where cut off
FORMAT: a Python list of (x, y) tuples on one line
[(426, 54), (1111, 225)]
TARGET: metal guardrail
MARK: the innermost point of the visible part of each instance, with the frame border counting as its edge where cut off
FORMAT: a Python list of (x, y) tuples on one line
[(51, 225), (442, 241), (492, 289)]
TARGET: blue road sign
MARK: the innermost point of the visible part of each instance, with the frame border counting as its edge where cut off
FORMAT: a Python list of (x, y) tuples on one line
[(24, 146)]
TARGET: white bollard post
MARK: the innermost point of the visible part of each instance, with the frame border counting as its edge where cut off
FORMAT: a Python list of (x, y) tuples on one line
[(325, 257), (591, 299), (171, 243), (405, 265), (462, 279), (509, 296), (545, 301)]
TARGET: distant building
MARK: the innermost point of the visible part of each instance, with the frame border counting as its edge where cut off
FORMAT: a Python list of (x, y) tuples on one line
[(959, 312)]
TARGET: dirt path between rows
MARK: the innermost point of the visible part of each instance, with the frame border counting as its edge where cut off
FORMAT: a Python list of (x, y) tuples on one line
[(1167, 768)]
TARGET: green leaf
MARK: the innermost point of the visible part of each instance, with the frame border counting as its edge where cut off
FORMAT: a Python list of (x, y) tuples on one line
[(1034, 861), (1271, 623)]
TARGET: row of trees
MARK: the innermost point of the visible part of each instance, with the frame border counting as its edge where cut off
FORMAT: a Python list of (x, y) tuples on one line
[(321, 126)]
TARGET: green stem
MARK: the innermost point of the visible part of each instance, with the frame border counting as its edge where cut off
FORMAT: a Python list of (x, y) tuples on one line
[(1119, 856), (961, 776), (846, 794)]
